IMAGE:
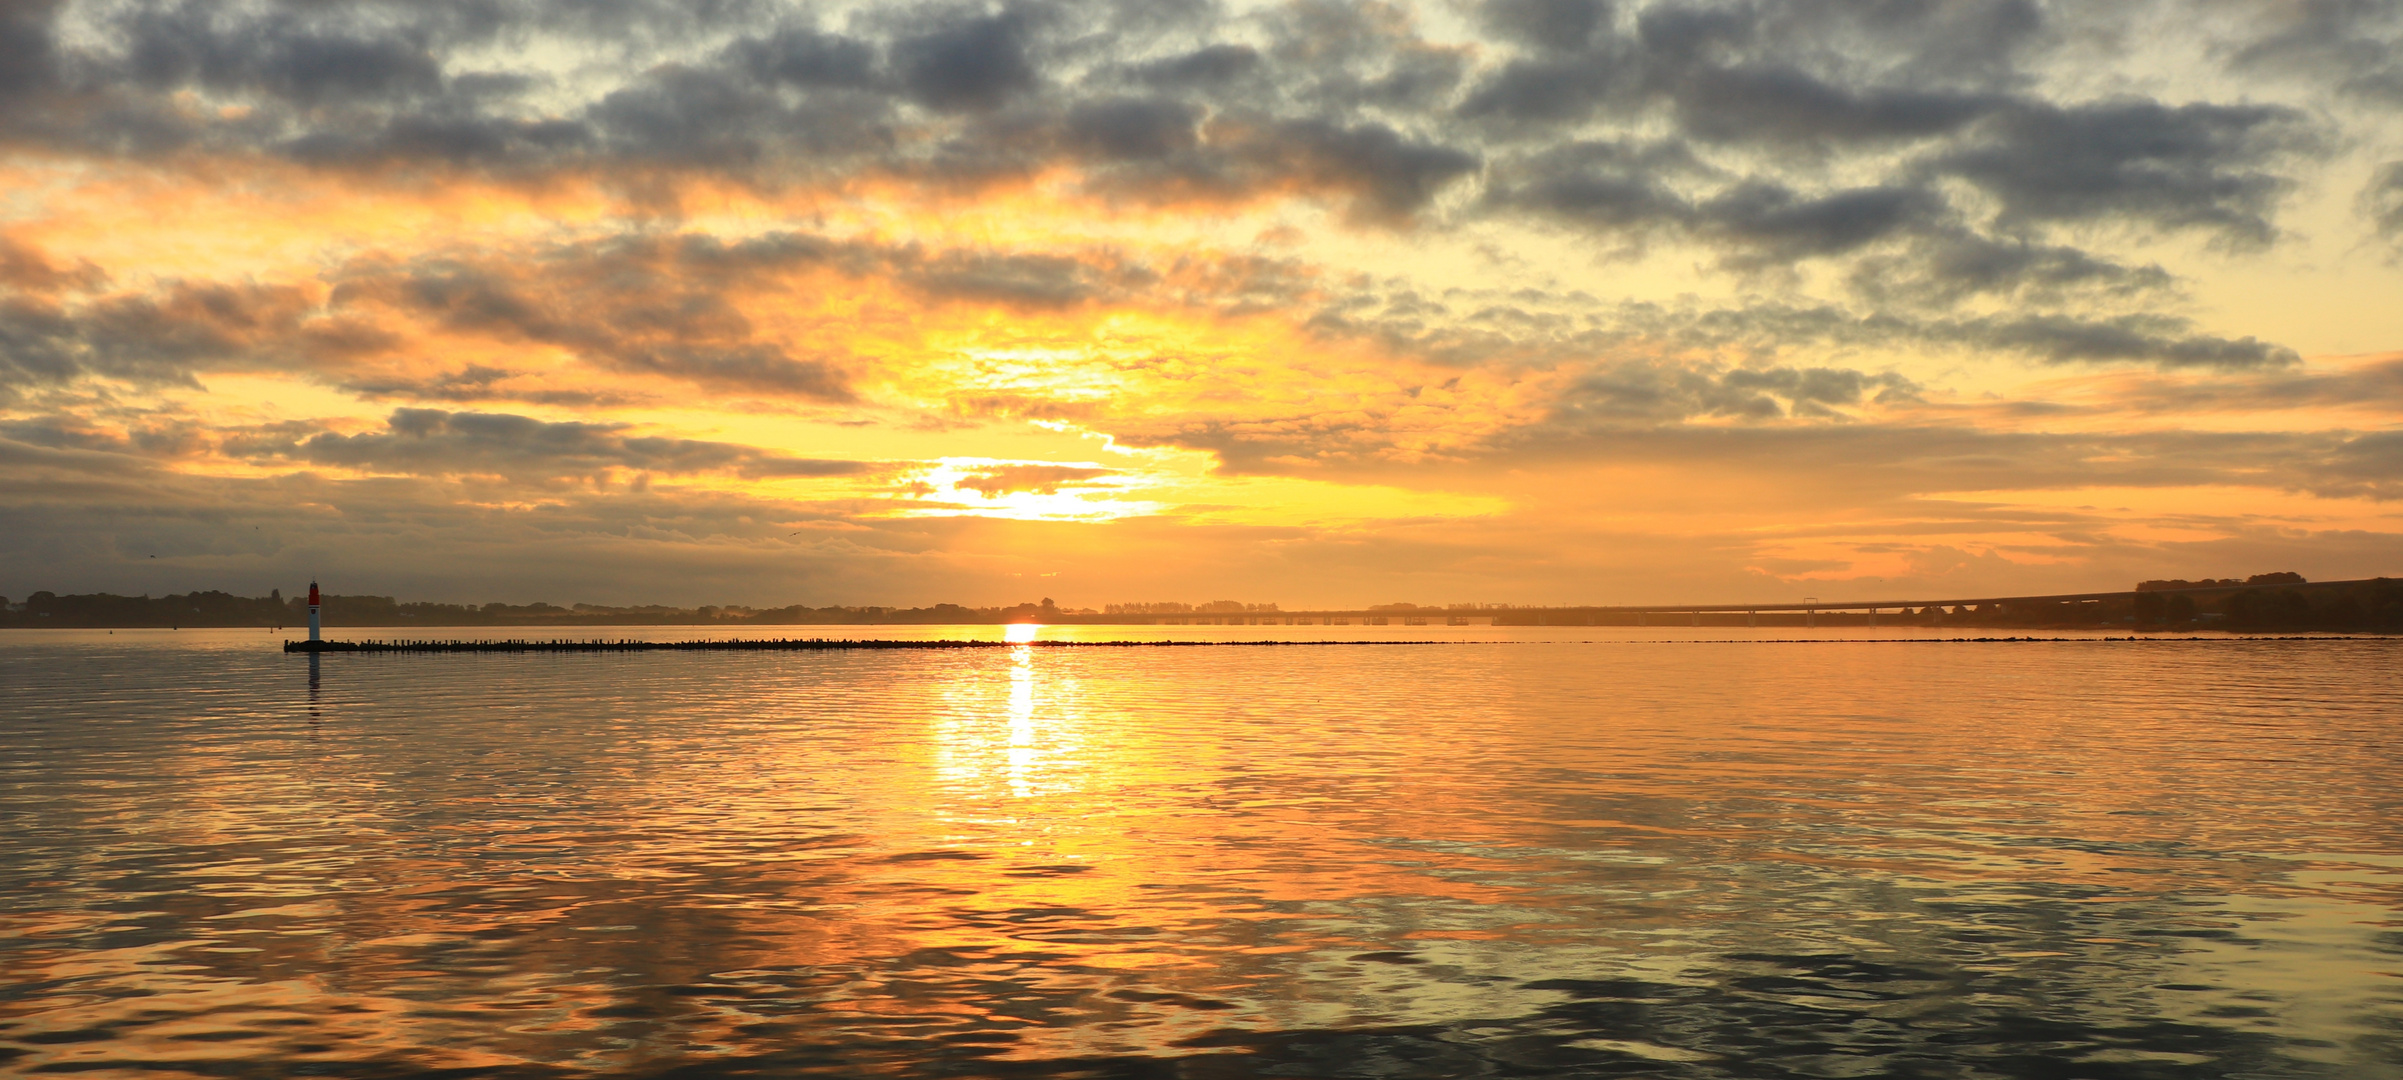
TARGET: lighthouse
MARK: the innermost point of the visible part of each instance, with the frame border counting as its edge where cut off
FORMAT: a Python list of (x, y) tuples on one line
[(313, 631)]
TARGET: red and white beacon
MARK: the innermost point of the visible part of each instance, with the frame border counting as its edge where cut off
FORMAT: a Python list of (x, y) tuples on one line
[(313, 628)]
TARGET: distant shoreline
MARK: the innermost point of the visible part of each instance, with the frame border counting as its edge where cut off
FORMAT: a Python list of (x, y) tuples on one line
[(2373, 605)]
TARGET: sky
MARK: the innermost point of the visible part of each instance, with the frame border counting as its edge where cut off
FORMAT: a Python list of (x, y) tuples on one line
[(1317, 303)]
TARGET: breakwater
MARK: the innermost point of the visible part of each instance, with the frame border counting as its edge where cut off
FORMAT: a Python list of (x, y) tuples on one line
[(591, 645)]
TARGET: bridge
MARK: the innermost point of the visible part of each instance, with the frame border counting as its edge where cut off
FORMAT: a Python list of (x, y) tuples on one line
[(1848, 612)]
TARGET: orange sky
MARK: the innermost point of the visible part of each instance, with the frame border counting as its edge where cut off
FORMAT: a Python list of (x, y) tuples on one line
[(1530, 301)]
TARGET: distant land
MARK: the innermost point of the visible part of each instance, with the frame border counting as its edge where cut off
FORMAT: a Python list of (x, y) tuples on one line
[(2279, 601)]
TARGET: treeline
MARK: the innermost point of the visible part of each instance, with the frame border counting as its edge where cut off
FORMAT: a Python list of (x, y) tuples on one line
[(2284, 577), (204, 609)]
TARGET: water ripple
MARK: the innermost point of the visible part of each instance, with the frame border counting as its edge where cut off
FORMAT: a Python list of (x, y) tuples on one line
[(1538, 858)]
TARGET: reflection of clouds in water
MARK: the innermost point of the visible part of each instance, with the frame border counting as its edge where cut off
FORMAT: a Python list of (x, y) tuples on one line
[(2018, 861)]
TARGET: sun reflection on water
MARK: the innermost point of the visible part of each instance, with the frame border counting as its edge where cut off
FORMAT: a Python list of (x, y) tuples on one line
[(1022, 714)]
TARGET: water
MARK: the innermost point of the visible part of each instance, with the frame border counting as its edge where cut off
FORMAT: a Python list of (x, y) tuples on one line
[(1525, 854)]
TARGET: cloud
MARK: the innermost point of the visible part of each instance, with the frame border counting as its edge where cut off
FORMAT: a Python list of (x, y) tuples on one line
[(1944, 267), (1036, 479), (161, 338), (2375, 386), (2356, 45), (618, 305), (2364, 466), (975, 62), (434, 442), (28, 54), (1633, 189), (2145, 338), (477, 383), (1547, 25), (1530, 324), (1651, 392), (2381, 201), (27, 269), (279, 53), (2191, 166), (1782, 104)]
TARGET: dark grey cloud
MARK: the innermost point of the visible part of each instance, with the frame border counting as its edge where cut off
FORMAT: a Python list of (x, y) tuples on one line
[(286, 54), (2151, 339), (2382, 201), (1786, 105), (1654, 392), (62, 432), (2199, 166), (806, 57), (475, 383), (1134, 128), (161, 338), (1391, 174), (2356, 45), (2364, 466), (39, 347), (1548, 25), (1625, 187), (1771, 222), (1530, 326), (755, 368), (434, 442), (2160, 340), (1949, 265), (1784, 75), (1634, 191), (1205, 68), (975, 62), (1339, 58), (1019, 280), (718, 119), (28, 53), (1539, 92)]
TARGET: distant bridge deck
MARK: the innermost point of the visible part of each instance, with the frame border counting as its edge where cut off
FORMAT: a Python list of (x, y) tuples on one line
[(1433, 616)]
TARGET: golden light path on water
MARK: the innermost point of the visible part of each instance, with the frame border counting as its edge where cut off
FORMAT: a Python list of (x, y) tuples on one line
[(1568, 851)]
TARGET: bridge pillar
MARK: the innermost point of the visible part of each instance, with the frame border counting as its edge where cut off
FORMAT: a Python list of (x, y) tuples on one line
[(1697, 618), (1811, 617), (1872, 618), (1752, 618), (1639, 618)]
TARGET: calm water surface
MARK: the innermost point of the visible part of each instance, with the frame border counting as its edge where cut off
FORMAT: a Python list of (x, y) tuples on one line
[(1514, 856)]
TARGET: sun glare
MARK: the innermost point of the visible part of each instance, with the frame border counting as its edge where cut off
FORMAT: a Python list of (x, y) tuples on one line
[(1024, 491), (1021, 633)]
